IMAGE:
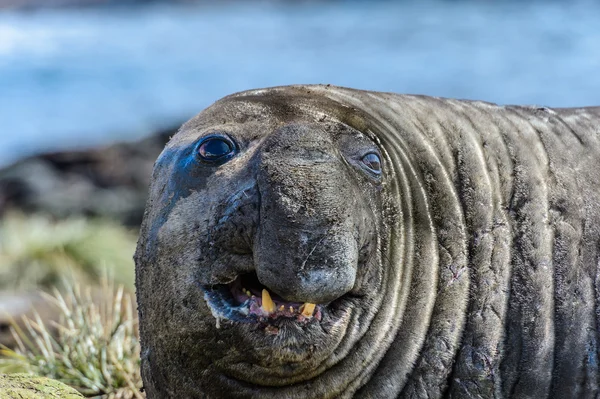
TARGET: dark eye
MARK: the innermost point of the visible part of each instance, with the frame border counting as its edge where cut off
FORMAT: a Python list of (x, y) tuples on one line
[(216, 149), (372, 162)]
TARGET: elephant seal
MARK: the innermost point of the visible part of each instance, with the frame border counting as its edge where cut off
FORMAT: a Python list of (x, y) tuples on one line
[(320, 242)]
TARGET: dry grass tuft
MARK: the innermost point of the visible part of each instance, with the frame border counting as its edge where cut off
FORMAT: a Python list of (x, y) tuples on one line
[(97, 349)]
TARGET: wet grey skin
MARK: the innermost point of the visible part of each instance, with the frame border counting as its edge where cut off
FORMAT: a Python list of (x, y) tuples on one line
[(466, 264)]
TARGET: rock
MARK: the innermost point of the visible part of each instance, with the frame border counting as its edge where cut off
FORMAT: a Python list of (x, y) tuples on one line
[(22, 386), (107, 182)]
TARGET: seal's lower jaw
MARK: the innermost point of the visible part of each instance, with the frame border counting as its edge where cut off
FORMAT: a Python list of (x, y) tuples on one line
[(246, 300), (277, 342)]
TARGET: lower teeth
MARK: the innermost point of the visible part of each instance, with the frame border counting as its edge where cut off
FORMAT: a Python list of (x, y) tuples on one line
[(264, 306)]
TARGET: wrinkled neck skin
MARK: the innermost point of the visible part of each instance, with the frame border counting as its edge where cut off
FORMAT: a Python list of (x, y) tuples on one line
[(296, 207)]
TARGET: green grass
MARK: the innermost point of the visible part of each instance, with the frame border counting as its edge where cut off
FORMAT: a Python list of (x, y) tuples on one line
[(93, 345), (96, 350), (37, 251)]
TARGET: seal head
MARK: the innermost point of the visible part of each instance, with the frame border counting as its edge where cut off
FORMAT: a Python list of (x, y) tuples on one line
[(258, 264)]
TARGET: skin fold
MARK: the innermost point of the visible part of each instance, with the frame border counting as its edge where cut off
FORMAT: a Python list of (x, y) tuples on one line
[(468, 266)]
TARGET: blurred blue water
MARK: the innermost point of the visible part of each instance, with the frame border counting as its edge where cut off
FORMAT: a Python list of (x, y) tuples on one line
[(82, 77)]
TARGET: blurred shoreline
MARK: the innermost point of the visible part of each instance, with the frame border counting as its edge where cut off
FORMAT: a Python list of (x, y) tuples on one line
[(82, 76), (107, 181)]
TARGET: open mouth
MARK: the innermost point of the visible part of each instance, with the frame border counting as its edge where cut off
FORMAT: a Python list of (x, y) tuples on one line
[(245, 299)]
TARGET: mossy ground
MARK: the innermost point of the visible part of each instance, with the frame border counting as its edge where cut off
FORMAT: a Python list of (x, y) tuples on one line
[(22, 386)]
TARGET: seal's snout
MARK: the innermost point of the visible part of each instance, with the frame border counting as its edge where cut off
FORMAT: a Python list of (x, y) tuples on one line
[(315, 270), (307, 245)]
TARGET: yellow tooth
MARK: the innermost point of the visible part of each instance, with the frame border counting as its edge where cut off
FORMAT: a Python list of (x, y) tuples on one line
[(248, 293), (281, 308), (267, 303), (308, 310), (291, 309)]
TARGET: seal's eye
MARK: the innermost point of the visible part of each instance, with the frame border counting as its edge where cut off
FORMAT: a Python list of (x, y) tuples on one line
[(372, 162), (216, 149)]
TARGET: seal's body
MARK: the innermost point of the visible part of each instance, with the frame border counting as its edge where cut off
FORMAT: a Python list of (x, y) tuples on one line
[(316, 242)]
